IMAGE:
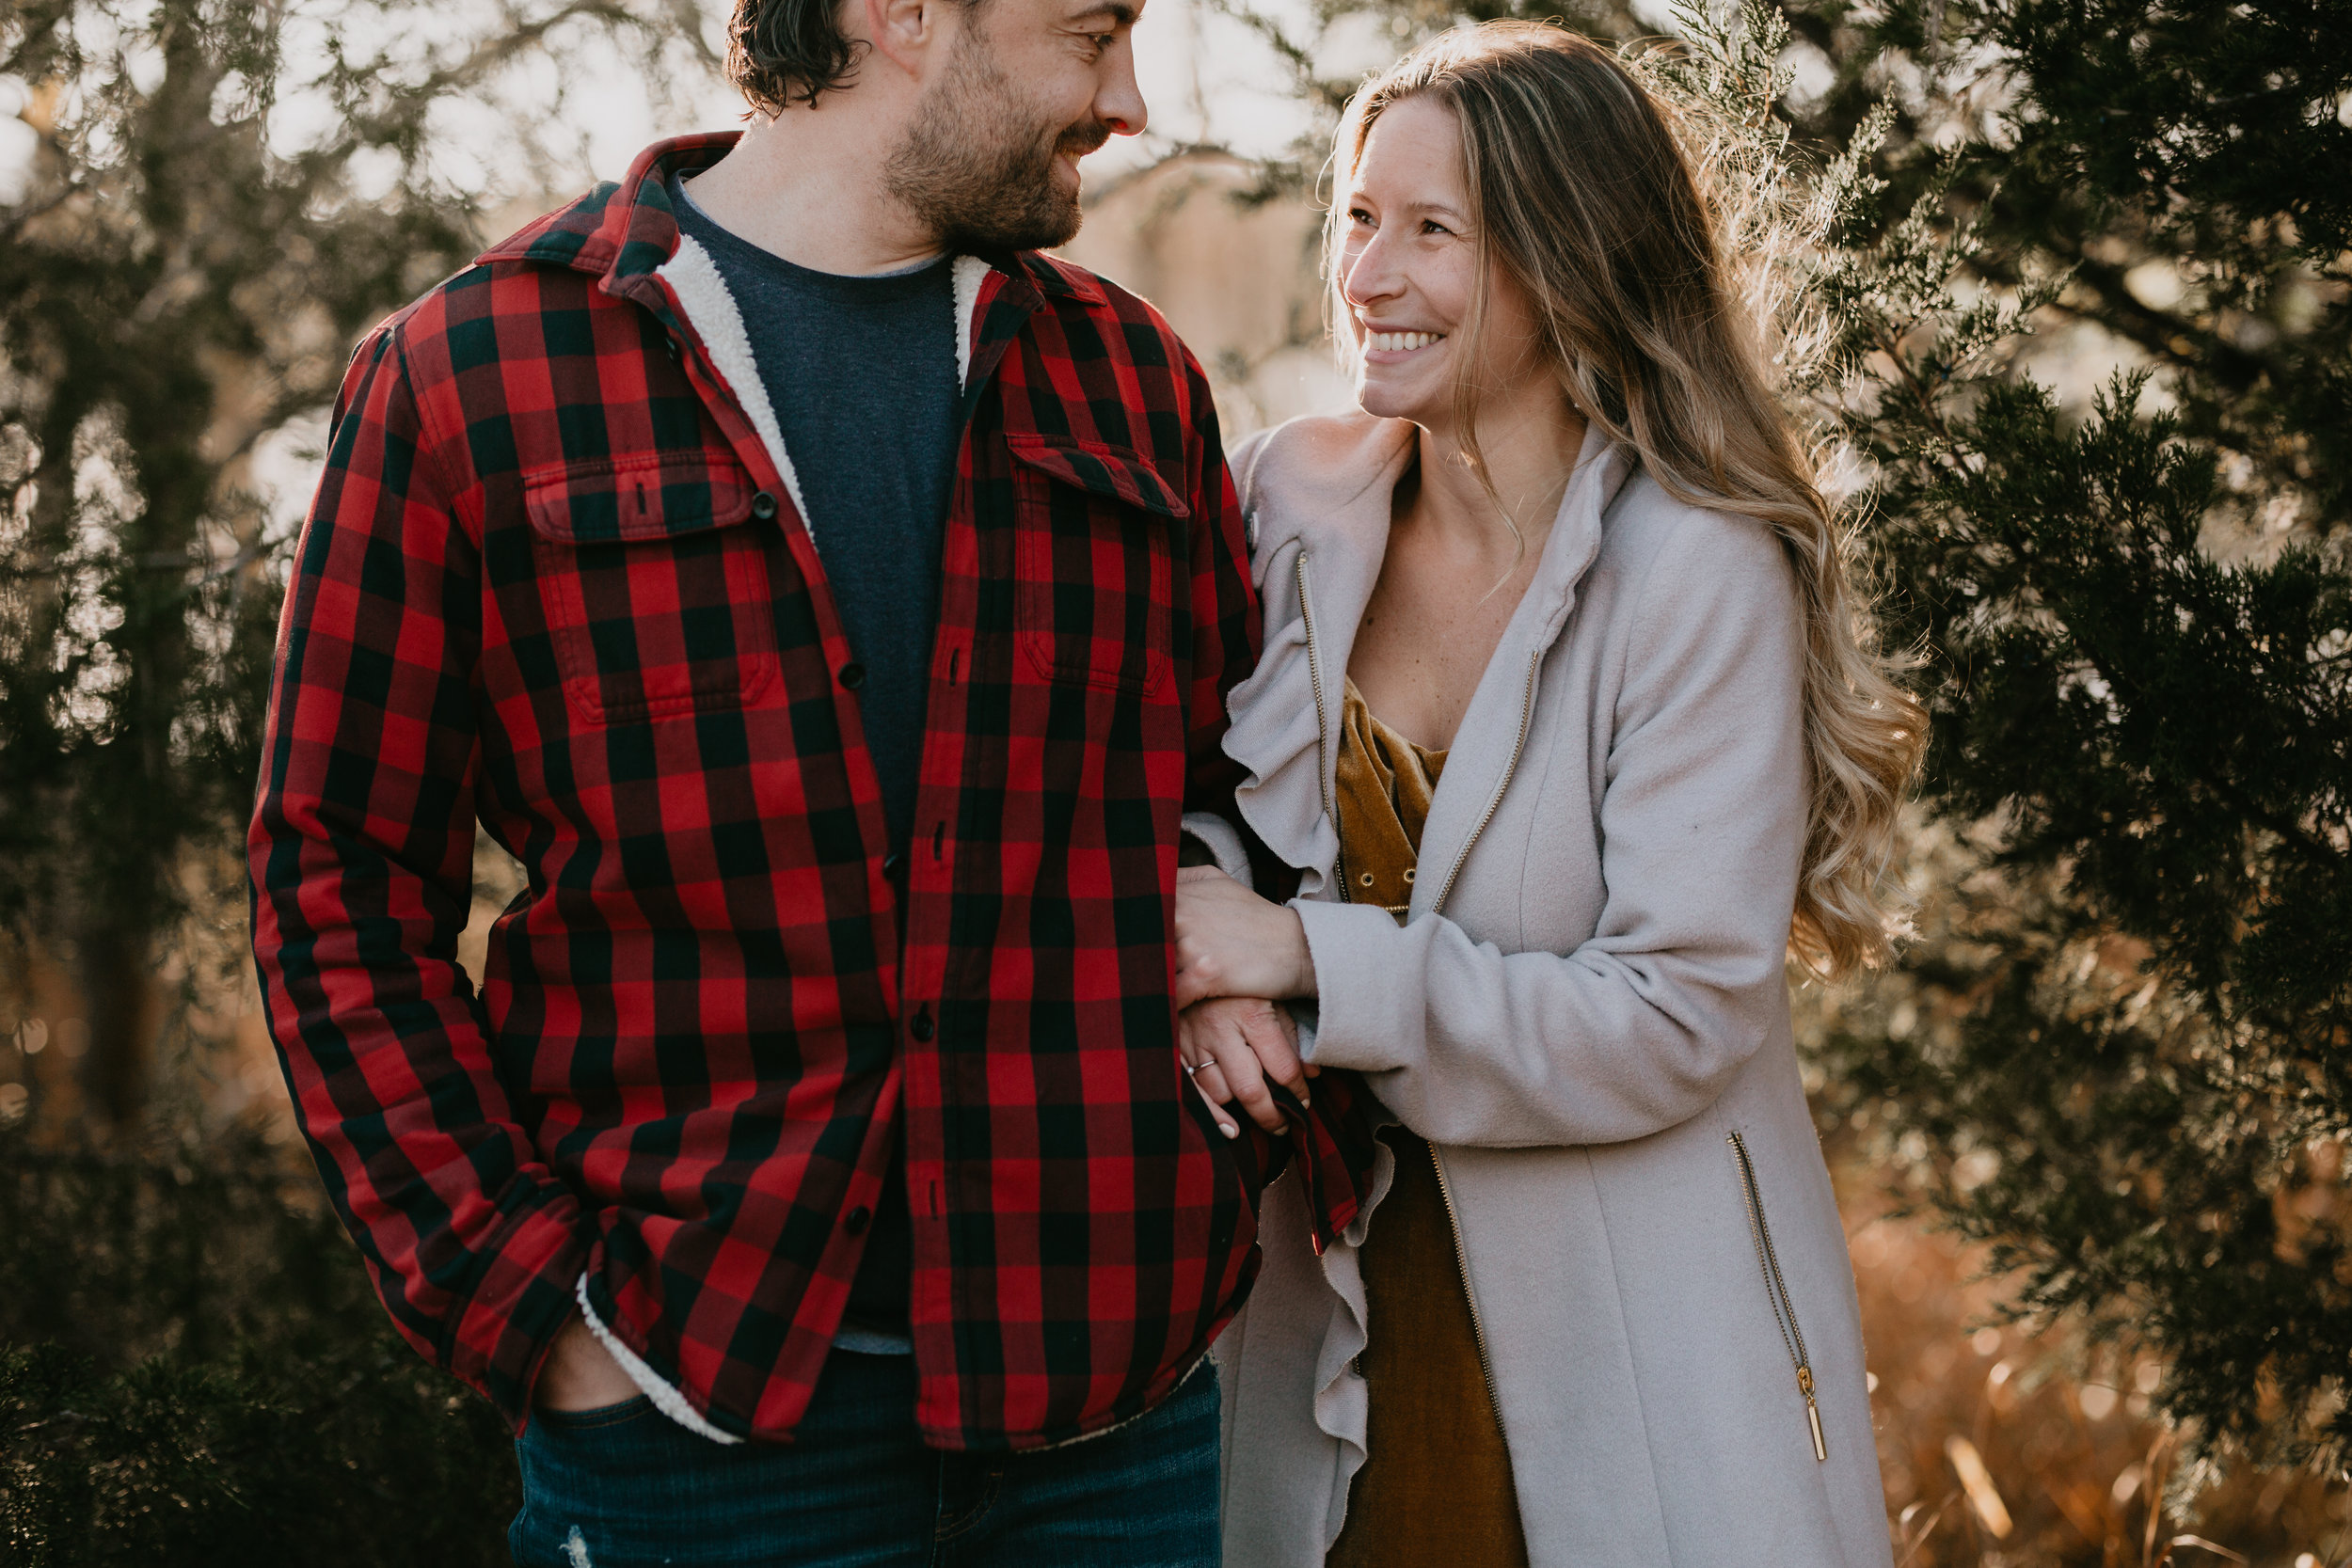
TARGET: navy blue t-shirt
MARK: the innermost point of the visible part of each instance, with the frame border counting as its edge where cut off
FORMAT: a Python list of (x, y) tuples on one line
[(862, 374)]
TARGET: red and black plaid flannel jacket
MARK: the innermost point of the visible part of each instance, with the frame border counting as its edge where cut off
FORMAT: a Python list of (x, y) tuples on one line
[(554, 581)]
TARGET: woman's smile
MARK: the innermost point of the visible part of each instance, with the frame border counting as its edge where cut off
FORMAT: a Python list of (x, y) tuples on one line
[(1395, 347)]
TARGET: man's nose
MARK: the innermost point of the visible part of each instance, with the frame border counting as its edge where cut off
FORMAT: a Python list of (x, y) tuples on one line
[(1120, 105)]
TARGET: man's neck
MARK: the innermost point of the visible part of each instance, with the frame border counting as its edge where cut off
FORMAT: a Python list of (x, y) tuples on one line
[(808, 185)]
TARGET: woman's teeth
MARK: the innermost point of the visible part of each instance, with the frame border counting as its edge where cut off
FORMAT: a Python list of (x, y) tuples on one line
[(1404, 342)]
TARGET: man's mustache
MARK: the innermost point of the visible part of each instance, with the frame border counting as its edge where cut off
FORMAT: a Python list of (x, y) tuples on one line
[(1079, 140)]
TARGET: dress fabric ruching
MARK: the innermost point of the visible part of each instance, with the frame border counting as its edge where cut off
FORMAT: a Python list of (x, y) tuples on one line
[(1435, 1488)]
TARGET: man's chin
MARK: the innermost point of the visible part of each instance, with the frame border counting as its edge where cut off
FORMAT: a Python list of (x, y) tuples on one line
[(1041, 226), (1061, 212)]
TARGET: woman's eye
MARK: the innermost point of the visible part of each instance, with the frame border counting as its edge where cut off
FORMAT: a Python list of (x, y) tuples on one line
[(1431, 226), (1357, 215)]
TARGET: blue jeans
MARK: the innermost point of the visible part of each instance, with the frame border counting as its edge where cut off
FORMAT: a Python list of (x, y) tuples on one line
[(626, 1487)]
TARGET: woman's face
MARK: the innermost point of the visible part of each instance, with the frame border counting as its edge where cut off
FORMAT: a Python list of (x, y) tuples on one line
[(1409, 264)]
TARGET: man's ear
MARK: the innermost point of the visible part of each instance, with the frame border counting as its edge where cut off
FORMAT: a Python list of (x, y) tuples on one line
[(904, 32)]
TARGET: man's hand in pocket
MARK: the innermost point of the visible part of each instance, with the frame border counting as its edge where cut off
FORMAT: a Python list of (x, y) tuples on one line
[(580, 1374)]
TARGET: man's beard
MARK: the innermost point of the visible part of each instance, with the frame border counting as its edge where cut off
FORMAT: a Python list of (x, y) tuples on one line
[(975, 169)]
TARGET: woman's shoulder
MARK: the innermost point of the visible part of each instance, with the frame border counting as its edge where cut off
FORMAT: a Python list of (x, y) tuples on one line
[(1319, 470), (1653, 534)]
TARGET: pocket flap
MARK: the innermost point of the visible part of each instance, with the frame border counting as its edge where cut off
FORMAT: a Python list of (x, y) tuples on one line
[(1105, 470), (603, 500)]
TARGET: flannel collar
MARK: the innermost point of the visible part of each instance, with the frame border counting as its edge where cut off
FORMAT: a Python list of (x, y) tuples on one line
[(624, 232)]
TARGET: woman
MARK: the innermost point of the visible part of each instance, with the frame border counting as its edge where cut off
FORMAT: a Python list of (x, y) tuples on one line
[(1564, 714)]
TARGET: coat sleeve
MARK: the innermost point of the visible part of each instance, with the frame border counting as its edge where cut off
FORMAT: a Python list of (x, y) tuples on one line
[(1702, 825), (360, 856)]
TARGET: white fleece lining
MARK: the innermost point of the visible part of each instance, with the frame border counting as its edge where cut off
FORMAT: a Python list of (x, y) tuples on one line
[(665, 1398), (970, 271), (708, 305)]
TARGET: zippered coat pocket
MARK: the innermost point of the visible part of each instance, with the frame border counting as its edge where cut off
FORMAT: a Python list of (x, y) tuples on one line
[(1776, 1288)]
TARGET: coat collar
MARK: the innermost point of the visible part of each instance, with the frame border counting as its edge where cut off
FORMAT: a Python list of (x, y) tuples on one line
[(1321, 489)]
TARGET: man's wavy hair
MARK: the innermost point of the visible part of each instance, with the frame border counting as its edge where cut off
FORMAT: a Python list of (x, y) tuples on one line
[(1586, 198), (787, 51)]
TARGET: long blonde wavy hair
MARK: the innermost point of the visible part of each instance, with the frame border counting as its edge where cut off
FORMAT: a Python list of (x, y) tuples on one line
[(1584, 198)]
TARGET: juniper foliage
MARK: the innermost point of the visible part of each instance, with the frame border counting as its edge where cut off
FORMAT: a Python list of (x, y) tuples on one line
[(2128, 1061), (219, 198)]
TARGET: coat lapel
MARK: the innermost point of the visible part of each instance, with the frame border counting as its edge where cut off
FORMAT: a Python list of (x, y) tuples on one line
[(1485, 749)]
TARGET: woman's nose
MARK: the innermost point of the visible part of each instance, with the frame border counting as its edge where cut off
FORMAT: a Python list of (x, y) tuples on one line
[(1369, 276)]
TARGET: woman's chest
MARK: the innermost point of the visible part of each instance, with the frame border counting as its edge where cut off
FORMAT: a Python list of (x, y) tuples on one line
[(1430, 629), (1517, 838)]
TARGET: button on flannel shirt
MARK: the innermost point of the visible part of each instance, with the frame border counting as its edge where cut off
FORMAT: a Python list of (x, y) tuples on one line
[(556, 580)]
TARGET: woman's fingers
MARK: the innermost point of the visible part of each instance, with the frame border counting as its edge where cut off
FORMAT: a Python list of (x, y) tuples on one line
[(1240, 1044), (1273, 1042), (1207, 1079), (1210, 1080), (1218, 1032)]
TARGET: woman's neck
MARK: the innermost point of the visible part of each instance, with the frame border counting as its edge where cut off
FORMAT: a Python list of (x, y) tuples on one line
[(1527, 444)]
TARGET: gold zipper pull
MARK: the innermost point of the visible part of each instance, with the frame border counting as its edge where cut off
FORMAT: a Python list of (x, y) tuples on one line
[(1812, 1414)]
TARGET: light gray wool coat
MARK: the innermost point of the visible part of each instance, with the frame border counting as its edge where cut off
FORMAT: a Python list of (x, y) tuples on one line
[(1587, 1003)]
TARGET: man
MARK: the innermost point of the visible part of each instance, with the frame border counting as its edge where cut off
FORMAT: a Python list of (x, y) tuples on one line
[(832, 603)]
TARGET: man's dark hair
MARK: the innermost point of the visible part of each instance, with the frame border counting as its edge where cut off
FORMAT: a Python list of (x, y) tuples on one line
[(779, 51), (784, 52)]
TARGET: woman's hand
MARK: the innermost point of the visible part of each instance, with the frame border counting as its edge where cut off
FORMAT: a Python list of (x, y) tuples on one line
[(1231, 942), (1232, 1046)]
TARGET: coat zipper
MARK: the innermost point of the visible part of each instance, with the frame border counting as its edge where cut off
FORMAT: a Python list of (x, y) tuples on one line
[(1776, 1290), (1527, 715), (1323, 745), (1461, 1260)]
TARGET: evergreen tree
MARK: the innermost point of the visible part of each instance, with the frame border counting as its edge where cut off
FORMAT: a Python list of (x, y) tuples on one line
[(2126, 1046), (2116, 1049), (219, 198)]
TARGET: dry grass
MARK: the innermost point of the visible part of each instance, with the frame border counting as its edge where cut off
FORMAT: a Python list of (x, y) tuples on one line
[(1994, 1452)]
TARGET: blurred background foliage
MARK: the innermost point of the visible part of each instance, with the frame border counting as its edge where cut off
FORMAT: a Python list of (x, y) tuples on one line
[(2063, 286)]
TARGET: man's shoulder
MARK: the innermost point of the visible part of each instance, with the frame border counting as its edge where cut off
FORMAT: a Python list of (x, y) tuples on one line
[(469, 318), (1136, 323)]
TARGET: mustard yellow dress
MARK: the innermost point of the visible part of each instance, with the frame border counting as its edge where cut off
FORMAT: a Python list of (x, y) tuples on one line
[(1436, 1489)]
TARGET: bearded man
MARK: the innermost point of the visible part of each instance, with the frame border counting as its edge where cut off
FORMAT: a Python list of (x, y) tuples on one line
[(831, 602)]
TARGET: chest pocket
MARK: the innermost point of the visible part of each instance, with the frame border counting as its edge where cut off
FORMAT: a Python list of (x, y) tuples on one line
[(655, 584), (1096, 536)]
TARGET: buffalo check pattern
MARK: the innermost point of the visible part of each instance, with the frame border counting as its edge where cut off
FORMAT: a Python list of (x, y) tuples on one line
[(555, 582)]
